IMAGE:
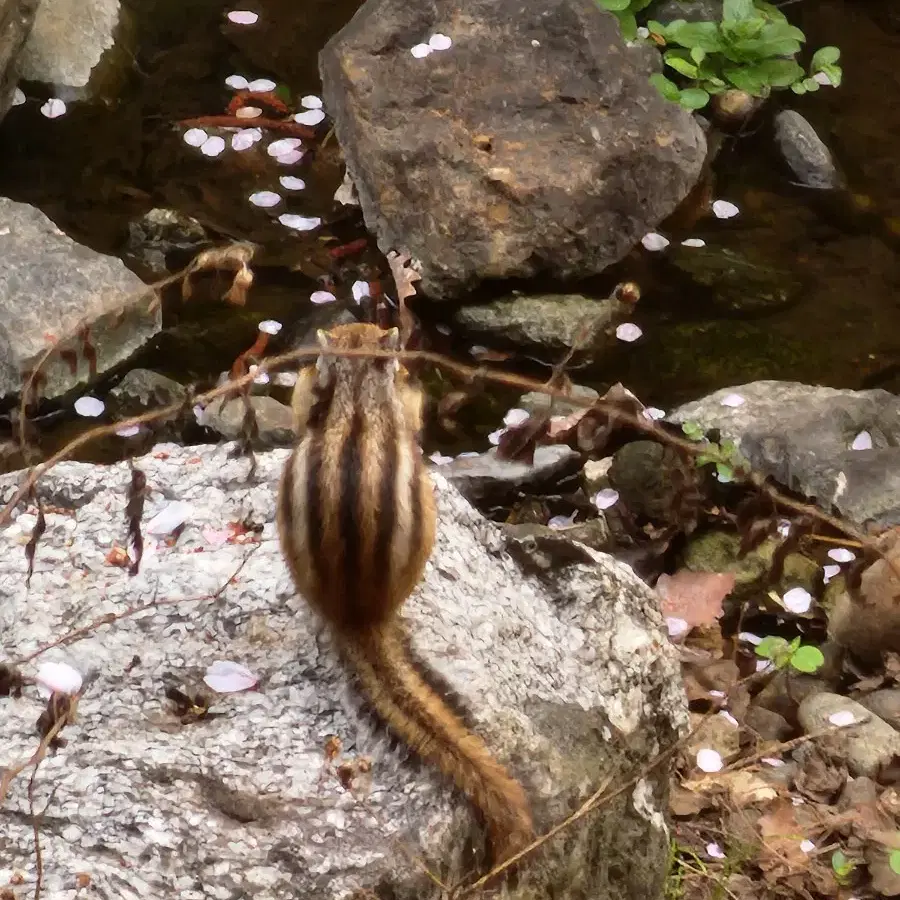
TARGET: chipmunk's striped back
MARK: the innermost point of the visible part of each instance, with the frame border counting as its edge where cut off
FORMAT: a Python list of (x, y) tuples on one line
[(356, 520)]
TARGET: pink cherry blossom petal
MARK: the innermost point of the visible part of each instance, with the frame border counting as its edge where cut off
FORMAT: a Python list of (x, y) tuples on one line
[(606, 498), (226, 677), (654, 242), (709, 760), (797, 600), (320, 297), (57, 677), (310, 117), (863, 441), (243, 17), (628, 332)]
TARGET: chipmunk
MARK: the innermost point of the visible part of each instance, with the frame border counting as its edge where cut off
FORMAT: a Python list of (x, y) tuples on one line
[(356, 521)]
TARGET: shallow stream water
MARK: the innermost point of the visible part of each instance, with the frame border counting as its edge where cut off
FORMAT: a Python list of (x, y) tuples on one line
[(109, 160)]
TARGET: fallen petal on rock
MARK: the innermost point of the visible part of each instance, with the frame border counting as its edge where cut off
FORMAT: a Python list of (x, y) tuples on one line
[(606, 498), (311, 101), (841, 555), (420, 51), (291, 183), (709, 760), (57, 677), (693, 242), (733, 400), (261, 85), (248, 112), (516, 417), (842, 718), (830, 572), (863, 441), (654, 242), (797, 600), (320, 297), (270, 326), (237, 82), (226, 677), (169, 518), (439, 42)]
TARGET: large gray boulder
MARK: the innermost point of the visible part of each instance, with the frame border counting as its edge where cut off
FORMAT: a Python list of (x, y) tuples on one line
[(534, 144), (68, 40), (52, 288), (16, 20), (570, 679), (802, 436)]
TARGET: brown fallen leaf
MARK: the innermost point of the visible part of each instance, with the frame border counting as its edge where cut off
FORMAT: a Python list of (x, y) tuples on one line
[(695, 597), (782, 836)]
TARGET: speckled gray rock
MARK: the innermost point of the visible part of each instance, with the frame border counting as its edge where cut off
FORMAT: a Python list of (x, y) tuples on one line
[(503, 156), (49, 285), (865, 747), (804, 151), (550, 322), (16, 20), (801, 435), (571, 681), (68, 40)]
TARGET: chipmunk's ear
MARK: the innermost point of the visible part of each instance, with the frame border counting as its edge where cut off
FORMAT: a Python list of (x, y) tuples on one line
[(390, 340), (324, 364)]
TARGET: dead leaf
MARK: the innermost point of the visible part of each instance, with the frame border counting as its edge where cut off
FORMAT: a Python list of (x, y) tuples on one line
[(822, 777), (782, 835), (404, 275), (695, 597)]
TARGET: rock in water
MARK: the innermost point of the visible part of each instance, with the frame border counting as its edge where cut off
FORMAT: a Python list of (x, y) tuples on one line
[(533, 144), (54, 289), (16, 20)]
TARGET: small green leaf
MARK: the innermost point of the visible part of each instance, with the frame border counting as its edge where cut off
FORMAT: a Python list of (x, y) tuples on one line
[(736, 10), (824, 56), (807, 659), (682, 66), (771, 647), (691, 429), (670, 91), (614, 5), (698, 54), (627, 25), (704, 35), (725, 472), (894, 861)]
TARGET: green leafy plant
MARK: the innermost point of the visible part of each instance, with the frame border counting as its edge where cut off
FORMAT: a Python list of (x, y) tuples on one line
[(894, 861), (725, 456), (752, 49), (803, 658), (625, 11)]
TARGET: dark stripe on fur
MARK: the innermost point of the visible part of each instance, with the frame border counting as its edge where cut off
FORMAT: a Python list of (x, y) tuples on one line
[(315, 522), (349, 515), (382, 559)]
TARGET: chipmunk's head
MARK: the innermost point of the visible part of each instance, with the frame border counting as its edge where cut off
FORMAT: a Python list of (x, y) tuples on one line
[(377, 384)]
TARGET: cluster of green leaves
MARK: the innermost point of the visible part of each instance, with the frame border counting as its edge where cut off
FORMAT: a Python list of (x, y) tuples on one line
[(626, 12), (753, 49), (802, 657), (725, 456)]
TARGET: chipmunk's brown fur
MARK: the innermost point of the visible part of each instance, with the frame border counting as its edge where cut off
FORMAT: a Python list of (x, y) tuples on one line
[(356, 520)]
